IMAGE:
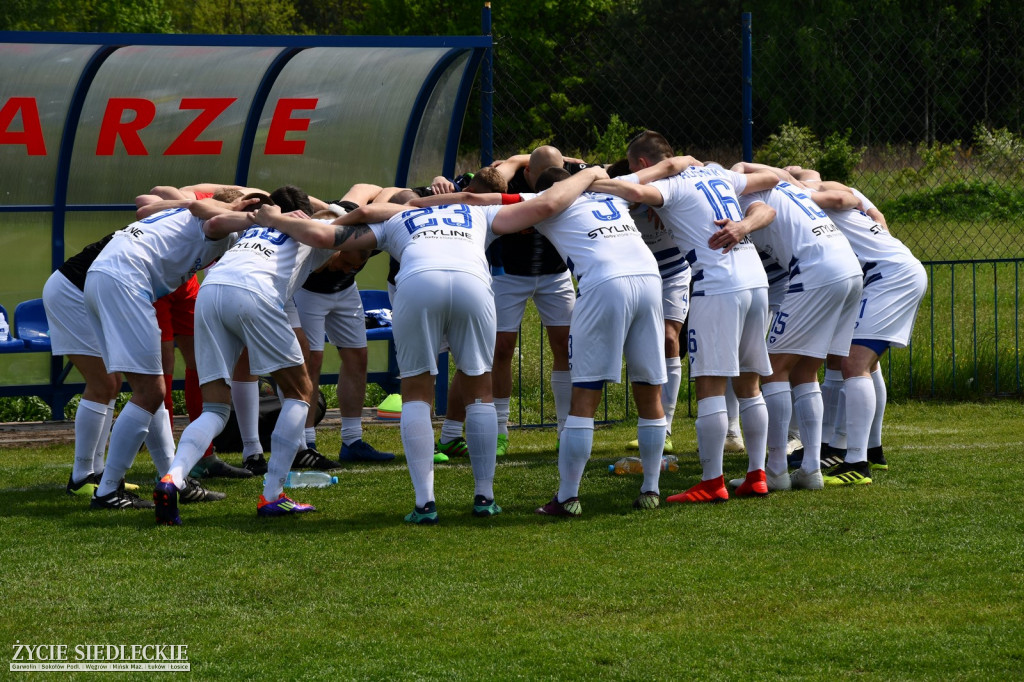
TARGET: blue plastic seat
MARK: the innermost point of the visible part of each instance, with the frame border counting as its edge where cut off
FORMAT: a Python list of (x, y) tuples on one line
[(13, 344), (376, 299), (30, 325)]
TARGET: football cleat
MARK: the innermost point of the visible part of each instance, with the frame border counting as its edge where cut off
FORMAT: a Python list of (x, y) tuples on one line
[(712, 490), (806, 480), (734, 443), (831, 457), (214, 467), (754, 485), (119, 499), (846, 473), (165, 498), (484, 507), (282, 506), (86, 487), (361, 451), (195, 492), (778, 481), (502, 445), (876, 459), (647, 500), (453, 448), (310, 458), (256, 464), (570, 508), (669, 448), (423, 516)]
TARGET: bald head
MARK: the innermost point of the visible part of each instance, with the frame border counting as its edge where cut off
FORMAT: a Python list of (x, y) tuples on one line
[(541, 159)]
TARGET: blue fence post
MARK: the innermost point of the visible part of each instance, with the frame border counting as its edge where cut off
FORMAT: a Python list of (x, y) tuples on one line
[(748, 91), (487, 92)]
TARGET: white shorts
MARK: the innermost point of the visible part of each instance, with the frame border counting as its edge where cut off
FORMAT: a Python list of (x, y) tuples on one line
[(124, 321), (726, 334), (230, 318), (292, 312), (337, 316), (433, 304), (817, 322), (553, 295), (620, 316), (675, 296), (71, 333), (888, 305)]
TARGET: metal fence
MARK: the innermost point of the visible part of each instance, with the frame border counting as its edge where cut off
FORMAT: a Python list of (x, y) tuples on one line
[(928, 129)]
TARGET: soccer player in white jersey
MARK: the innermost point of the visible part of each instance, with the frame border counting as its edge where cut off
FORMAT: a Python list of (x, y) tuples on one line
[(675, 298), (442, 288), (894, 284), (728, 305), (242, 304), (144, 261), (815, 318)]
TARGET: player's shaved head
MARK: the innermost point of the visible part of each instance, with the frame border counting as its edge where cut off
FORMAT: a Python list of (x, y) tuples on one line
[(541, 159), (648, 146), (227, 195)]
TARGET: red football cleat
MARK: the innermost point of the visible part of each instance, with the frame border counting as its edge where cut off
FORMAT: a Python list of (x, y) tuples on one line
[(712, 490), (754, 485)]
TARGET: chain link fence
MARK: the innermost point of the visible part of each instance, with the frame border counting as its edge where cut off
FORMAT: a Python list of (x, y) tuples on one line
[(926, 124)]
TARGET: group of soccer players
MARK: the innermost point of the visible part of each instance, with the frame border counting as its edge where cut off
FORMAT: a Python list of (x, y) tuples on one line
[(669, 244)]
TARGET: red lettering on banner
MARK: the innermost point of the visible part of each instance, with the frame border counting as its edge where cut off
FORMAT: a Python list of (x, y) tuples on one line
[(210, 108), (282, 123), (113, 127), (31, 134)]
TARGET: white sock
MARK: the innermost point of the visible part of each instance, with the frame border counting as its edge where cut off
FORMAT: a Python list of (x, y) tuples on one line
[(754, 417), (860, 410), (561, 387), (650, 434), (838, 439), (808, 406), (196, 437), (101, 445), (881, 397), (89, 421), (351, 429), (830, 399), (160, 441), (670, 390), (418, 443), (732, 408), (309, 435), (126, 438), (794, 427), (285, 442), (450, 430), (246, 397), (779, 399), (481, 439), (573, 452), (712, 424), (501, 408)]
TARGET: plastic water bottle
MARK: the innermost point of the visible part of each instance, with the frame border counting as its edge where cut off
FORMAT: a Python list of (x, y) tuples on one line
[(633, 465), (5, 330), (309, 479)]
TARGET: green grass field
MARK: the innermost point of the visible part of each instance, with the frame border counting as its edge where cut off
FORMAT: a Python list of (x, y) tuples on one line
[(918, 576)]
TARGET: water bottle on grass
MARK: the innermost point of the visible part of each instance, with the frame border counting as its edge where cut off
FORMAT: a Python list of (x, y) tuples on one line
[(309, 479), (633, 465)]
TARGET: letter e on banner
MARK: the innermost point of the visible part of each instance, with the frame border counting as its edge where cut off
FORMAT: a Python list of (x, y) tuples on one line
[(283, 123), (31, 135), (113, 126)]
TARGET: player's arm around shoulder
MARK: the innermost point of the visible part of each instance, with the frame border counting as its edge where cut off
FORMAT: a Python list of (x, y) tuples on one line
[(515, 217), (468, 198), (161, 205), (731, 232), (835, 199), (220, 219)]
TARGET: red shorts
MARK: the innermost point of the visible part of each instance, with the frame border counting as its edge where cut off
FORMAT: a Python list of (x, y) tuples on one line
[(175, 312)]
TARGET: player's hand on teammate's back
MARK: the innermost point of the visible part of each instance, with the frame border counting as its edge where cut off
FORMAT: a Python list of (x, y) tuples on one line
[(729, 236), (266, 214)]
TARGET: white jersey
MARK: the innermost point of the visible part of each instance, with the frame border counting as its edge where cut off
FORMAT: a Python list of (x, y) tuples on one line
[(865, 202), (450, 237), (874, 245), (160, 253), (658, 238), (598, 240), (691, 203), (802, 239), (269, 263)]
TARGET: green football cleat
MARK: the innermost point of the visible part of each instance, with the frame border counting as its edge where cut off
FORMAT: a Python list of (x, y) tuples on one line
[(423, 516), (502, 444), (453, 448), (849, 474), (484, 507)]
